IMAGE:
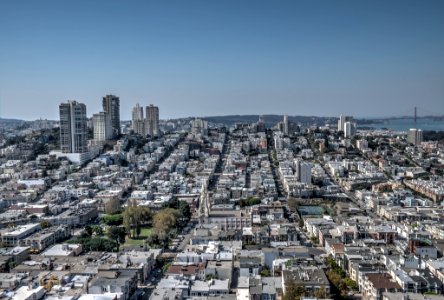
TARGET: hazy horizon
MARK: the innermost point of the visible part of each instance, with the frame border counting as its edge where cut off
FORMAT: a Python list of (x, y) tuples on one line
[(212, 58), (247, 114)]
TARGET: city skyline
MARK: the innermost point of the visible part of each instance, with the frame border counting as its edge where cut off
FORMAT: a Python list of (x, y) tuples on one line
[(367, 59)]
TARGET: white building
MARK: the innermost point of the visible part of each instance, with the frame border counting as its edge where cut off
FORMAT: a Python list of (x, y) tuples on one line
[(342, 120), (73, 127), (199, 126), (414, 136), (102, 126), (138, 123), (303, 171), (349, 129), (12, 236)]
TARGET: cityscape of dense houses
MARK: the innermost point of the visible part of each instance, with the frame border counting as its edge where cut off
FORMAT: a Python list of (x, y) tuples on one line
[(105, 209)]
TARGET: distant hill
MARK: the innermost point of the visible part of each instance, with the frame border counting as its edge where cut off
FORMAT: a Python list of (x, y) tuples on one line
[(4, 120), (270, 120)]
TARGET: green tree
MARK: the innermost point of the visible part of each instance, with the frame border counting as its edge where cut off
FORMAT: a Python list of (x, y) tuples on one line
[(112, 206), (88, 230), (184, 210), (153, 240), (133, 218), (294, 291), (45, 224), (351, 284), (117, 234), (116, 219), (265, 272), (321, 293), (97, 230), (165, 220)]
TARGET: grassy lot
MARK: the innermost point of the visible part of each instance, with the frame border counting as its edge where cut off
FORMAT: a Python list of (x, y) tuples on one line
[(144, 233)]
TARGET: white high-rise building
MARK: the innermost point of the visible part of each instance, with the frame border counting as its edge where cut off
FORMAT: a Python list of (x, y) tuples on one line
[(103, 130), (342, 120), (414, 136), (138, 123), (199, 126), (137, 112), (73, 127), (349, 129), (285, 124), (362, 144), (152, 120)]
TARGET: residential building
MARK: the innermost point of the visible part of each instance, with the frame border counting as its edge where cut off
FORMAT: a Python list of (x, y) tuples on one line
[(199, 126), (102, 127), (414, 136), (349, 129), (111, 105), (152, 120), (342, 120), (303, 171), (73, 129), (138, 123), (13, 236)]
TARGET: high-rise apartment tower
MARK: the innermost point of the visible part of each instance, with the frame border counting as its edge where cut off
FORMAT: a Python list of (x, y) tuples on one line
[(73, 128), (111, 105)]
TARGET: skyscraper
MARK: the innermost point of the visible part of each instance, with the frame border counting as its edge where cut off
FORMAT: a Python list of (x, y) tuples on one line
[(102, 126), (199, 126), (138, 124), (111, 105), (137, 113), (349, 129), (285, 125), (73, 129), (342, 120), (152, 120), (414, 136)]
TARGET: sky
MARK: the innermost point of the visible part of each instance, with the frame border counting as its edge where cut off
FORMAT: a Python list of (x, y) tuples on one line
[(213, 57)]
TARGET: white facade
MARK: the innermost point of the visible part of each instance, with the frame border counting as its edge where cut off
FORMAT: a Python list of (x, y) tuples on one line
[(303, 171), (102, 126), (342, 120), (414, 136), (137, 119), (199, 126), (349, 129), (73, 127)]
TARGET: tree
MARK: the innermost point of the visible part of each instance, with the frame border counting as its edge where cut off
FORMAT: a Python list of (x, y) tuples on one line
[(293, 204), (116, 234), (133, 218), (165, 220), (265, 272), (250, 201), (45, 224), (112, 206), (153, 240), (97, 230), (88, 230), (184, 210), (321, 293), (294, 291), (351, 284), (116, 219)]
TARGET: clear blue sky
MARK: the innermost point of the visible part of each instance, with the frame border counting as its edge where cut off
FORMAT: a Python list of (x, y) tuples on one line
[(218, 57)]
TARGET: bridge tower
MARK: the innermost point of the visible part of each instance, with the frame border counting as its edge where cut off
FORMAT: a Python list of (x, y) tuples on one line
[(415, 116)]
